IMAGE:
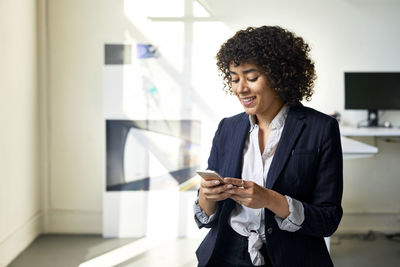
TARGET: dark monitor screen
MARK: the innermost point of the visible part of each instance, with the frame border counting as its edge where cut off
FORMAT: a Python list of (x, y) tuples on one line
[(372, 90)]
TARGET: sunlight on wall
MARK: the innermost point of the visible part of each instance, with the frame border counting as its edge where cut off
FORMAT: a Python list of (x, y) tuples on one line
[(166, 35), (187, 36), (200, 10), (180, 82)]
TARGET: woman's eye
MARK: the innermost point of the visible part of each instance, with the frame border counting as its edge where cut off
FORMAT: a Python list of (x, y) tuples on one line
[(235, 81), (253, 79)]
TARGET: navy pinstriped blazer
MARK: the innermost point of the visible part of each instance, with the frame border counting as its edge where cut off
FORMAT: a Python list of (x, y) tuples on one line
[(307, 166)]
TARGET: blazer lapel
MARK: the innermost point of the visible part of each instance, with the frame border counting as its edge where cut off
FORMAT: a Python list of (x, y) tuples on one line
[(291, 131), (240, 135), (234, 164)]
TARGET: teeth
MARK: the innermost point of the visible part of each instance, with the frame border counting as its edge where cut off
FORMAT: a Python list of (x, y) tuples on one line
[(248, 99)]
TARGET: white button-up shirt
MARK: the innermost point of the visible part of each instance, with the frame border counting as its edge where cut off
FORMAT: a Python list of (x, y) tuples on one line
[(247, 221)]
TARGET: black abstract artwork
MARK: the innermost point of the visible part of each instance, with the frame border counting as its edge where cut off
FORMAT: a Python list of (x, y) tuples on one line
[(151, 154)]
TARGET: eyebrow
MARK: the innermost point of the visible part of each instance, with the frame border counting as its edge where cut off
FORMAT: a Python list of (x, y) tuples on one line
[(245, 71)]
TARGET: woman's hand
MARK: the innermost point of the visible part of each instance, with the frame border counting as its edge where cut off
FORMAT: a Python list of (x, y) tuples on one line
[(248, 193), (211, 192), (254, 196), (214, 191)]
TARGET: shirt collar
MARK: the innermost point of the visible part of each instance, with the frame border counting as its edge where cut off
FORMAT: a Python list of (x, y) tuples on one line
[(277, 123)]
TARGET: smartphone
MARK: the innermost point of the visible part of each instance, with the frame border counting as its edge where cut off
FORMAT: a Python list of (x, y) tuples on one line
[(211, 175)]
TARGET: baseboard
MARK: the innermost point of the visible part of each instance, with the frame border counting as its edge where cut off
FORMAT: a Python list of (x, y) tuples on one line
[(20, 239), (73, 222), (386, 223)]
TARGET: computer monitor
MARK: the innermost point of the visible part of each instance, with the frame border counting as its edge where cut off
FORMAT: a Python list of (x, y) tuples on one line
[(372, 91)]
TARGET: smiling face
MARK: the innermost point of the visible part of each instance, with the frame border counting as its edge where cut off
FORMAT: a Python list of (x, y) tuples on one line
[(254, 91)]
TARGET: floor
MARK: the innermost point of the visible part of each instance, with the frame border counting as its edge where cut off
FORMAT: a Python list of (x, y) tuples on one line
[(367, 250), (372, 249)]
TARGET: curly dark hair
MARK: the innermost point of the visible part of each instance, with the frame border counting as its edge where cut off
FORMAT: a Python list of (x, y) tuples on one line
[(281, 55)]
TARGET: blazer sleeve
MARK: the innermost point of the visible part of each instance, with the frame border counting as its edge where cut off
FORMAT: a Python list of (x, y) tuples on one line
[(323, 211), (213, 158), (213, 165)]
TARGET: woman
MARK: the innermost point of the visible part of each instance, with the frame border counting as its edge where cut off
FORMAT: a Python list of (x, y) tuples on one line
[(282, 162)]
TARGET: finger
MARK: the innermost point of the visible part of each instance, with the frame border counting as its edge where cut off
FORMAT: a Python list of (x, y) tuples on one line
[(218, 197), (235, 181), (210, 183), (234, 198), (236, 190), (217, 189), (238, 199)]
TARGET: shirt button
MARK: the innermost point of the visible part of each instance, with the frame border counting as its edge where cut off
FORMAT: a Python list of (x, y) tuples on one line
[(269, 230), (258, 213)]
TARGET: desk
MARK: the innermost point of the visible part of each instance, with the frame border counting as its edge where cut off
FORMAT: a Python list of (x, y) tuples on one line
[(369, 131), (354, 149)]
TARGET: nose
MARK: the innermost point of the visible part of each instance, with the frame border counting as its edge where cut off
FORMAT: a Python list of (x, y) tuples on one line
[(241, 87)]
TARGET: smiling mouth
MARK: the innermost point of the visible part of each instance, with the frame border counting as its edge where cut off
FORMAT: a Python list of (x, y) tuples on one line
[(247, 100)]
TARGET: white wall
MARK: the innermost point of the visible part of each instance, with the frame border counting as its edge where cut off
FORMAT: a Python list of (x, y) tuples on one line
[(344, 35), (75, 125), (20, 212)]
